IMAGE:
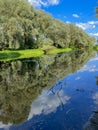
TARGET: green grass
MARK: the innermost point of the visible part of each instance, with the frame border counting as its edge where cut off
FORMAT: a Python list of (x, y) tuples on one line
[(95, 47), (55, 51), (8, 55)]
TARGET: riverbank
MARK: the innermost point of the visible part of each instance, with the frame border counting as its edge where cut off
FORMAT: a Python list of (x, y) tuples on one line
[(95, 47), (7, 55)]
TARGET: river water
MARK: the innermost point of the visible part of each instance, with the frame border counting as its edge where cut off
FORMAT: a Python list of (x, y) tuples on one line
[(54, 92)]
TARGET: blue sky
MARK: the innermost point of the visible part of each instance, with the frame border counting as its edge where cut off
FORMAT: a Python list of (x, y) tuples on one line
[(79, 12)]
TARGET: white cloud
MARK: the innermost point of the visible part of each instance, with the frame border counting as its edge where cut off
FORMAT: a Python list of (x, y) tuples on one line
[(75, 15), (47, 103), (39, 3), (68, 22), (65, 17), (93, 22), (94, 34), (86, 26)]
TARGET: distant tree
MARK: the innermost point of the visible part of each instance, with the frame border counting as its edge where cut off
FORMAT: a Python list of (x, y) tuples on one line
[(96, 11)]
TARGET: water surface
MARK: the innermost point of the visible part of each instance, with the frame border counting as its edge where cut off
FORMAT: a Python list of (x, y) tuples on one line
[(50, 93)]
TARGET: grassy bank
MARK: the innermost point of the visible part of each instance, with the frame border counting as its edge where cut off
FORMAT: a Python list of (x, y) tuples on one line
[(55, 51), (8, 55), (95, 47)]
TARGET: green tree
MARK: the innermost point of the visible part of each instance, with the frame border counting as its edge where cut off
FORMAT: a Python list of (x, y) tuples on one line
[(23, 27), (16, 23), (96, 11)]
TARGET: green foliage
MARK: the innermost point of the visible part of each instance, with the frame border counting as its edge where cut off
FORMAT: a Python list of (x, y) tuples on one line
[(55, 51), (16, 24), (96, 12), (95, 47), (23, 27)]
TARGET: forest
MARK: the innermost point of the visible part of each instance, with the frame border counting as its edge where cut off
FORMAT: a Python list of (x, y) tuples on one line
[(24, 27)]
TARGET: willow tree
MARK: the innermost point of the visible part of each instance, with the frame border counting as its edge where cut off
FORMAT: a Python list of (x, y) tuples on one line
[(16, 28), (21, 26)]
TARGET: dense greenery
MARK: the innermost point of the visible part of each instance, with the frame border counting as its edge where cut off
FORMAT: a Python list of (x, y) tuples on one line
[(96, 47), (22, 81), (96, 11), (23, 27)]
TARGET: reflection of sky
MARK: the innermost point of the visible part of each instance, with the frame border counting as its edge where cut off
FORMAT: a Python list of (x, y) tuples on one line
[(5, 127), (47, 103), (90, 68), (95, 97), (92, 65), (80, 88)]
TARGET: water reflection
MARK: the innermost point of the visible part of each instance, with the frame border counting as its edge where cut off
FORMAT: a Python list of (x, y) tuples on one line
[(92, 124), (48, 103), (31, 88)]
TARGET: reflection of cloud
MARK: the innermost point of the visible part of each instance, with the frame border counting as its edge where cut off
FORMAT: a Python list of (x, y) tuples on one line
[(90, 68), (1, 111), (46, 104), (92, 124), (95, 97), (5, 127), (77, 78), (94, 59)]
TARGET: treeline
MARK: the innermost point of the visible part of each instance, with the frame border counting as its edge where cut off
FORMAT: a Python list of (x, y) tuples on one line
[(23, 27)]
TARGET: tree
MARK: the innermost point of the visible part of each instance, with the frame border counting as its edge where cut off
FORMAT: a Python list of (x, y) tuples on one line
[(96, 11), (23, 27), (16, 23)]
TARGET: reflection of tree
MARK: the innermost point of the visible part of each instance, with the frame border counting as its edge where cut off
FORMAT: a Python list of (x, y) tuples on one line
[(57, 92), (96, 80), (93, 122), (22, 81)]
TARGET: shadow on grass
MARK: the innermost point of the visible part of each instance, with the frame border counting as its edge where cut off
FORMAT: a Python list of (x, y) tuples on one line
[(11, 55)]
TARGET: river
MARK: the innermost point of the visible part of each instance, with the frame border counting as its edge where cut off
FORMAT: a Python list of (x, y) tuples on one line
[(54, 92)]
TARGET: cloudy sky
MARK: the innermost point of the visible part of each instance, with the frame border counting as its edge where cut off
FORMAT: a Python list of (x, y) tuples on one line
[(79, 12)]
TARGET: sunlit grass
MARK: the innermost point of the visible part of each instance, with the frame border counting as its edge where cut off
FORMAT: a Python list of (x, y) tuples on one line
[(95, 47), (20, 54), (55, 51), (8, 55)]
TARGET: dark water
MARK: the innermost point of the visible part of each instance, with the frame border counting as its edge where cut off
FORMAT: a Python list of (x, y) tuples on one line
[(50, 93)]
